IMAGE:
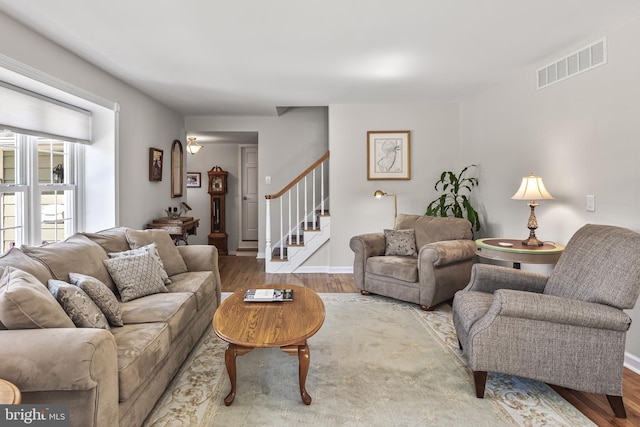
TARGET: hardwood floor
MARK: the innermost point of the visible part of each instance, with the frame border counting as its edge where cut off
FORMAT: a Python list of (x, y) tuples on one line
[(239, 272)]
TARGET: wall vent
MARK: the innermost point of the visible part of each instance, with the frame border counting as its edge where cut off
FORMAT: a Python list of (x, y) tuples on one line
[(571, 65)]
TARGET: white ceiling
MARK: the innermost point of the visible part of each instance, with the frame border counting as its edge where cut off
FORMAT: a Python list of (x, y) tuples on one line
[(247, 57)]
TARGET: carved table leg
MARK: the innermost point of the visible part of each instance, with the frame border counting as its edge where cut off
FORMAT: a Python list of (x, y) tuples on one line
[(230, 361), (302, 351), (304, 361)]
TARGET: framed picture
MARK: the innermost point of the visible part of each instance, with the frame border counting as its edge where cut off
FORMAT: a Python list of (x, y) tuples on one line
[(193, 180), (388, 155), (155, 164)]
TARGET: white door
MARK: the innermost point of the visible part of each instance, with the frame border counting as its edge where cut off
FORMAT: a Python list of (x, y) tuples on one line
[(249, 231)]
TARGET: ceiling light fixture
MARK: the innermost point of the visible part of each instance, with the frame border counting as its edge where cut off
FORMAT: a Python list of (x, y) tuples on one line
[(192, 146)]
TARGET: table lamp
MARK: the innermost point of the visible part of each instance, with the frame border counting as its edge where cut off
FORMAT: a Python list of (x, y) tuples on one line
[(532, 189), (379, 193)]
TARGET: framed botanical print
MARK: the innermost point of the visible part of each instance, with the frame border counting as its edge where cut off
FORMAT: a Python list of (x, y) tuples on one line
[(155, 164), (388, 155)]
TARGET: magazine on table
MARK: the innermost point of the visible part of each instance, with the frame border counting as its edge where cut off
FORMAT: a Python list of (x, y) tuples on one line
[(268, 295)]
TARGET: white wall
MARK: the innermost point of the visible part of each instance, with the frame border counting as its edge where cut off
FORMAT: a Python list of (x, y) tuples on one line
[(581, 135), (434, 148), (143, 123), (286, 146)]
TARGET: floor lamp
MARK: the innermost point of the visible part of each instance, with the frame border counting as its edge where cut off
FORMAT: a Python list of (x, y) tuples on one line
[(379, 193)]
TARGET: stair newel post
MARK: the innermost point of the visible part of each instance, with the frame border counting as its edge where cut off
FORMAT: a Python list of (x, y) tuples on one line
[(314, 204), (322, 188), (267, 237), (297, 213), (281, 230), (306, 201)]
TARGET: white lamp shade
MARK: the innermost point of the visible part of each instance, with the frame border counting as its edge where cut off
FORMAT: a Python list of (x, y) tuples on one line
[(532, 188)]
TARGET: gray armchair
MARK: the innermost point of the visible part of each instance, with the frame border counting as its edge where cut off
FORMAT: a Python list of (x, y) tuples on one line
[(440, 267), (568, 328)]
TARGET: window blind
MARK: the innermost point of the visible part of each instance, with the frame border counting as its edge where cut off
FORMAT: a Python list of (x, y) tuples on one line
[(27, 112)]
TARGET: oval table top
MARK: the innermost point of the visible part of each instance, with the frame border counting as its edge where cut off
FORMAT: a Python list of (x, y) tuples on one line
[(9, 393), (269, 324)]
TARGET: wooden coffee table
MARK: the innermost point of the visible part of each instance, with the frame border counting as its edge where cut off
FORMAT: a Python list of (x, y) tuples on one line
[(288, 325), (9, 393)]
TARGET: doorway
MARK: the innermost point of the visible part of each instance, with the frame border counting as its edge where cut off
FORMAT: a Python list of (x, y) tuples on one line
[(248, 185)]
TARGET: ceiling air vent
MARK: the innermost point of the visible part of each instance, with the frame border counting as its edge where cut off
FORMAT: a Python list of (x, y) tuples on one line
[(571, 65)]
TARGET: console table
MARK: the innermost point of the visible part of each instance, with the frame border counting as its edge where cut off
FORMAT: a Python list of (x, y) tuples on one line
[(513, 250), (179, 229)]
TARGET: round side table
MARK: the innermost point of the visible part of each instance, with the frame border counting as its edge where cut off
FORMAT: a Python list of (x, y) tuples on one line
[(514, 251), (9, 393)]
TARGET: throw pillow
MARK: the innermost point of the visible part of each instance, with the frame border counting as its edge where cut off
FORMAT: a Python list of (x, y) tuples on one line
[(400, 242), (151, 249), (101, 295), (76, 303), (136, 275), (171, 258), (25, 303)]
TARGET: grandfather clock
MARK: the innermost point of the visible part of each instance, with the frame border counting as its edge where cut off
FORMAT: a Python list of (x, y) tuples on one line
[(217, 192)]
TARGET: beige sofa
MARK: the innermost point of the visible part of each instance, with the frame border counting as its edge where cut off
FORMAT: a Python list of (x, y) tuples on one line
[(107, 377), (431, 268)]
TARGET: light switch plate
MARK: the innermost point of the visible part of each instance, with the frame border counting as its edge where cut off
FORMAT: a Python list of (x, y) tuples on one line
[(591, 203)]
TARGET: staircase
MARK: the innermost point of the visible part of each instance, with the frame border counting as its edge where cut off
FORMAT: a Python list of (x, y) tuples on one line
[(303, 223)]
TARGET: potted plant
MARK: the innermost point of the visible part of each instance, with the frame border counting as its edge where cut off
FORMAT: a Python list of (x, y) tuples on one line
[(454, 200)]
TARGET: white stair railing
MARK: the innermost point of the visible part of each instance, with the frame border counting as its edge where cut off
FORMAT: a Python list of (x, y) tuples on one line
[(291, 192)]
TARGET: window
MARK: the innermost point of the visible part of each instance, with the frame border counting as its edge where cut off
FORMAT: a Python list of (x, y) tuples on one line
[(38, 189)]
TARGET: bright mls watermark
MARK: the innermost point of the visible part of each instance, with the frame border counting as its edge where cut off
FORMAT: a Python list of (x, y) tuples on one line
[(34, 415)]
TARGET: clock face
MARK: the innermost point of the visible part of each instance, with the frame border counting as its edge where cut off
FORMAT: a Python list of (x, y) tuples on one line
[(217, 183)]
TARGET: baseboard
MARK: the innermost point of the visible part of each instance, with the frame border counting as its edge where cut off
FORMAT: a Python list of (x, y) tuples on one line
[(260, 255), (324, 269), (632, 362)]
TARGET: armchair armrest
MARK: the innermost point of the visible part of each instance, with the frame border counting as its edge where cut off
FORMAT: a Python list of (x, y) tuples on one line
[(447, 252), (363, 247), (489, 278), (368, 245), (549, 308)]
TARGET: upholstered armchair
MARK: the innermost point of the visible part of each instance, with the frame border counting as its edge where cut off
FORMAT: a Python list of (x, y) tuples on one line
[(427, 273), (567, 328)]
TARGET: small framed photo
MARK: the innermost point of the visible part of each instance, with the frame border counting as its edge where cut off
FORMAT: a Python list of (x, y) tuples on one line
[(388, 155), (194, 180), (155, 164)]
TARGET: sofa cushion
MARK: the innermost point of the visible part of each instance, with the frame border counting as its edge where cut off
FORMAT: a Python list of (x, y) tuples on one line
[(171, 258), (199, 283), (18, 259), (101, 295), (25, 303), (176, 309), (398, 267), (76, 254), (151, 250), (400, 242), (136, 275), (141, 348), (78, 305), (111, 239), (431, 229)]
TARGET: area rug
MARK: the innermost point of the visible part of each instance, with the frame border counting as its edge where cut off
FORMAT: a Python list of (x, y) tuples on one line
[(375, 362)]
